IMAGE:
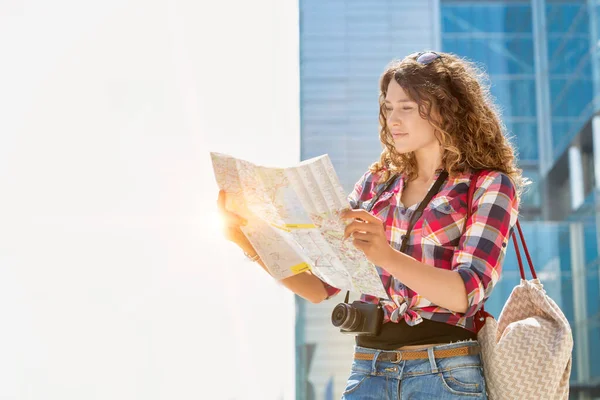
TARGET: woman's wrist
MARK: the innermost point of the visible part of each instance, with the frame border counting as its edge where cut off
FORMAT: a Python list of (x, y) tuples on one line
[(391, 259), (252, 257)]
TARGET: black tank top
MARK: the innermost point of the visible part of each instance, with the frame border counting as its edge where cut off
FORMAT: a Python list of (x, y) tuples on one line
[(395, 335)]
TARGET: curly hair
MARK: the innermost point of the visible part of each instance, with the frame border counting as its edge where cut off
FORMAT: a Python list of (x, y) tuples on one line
[(453, 95)]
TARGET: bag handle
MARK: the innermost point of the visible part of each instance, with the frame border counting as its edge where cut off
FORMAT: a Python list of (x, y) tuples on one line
[(521, 269)]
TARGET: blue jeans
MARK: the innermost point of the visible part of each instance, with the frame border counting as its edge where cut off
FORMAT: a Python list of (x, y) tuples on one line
[(458, 377)]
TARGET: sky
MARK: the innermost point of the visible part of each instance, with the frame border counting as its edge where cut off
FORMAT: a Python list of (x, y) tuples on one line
[(115, 279)]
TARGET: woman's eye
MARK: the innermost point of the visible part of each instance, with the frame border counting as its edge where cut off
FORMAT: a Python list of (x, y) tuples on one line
[(388, 108), (407, 108)]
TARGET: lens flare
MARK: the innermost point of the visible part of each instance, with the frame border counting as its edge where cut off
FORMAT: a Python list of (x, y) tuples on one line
[(217, 221)]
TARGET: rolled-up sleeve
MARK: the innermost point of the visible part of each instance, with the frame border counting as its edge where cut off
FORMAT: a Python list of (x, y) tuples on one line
[(362, 186), (482, 248), (331, 291)]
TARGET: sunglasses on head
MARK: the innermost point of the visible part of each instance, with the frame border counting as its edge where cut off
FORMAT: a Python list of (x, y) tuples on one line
[(423, 58), (427, 57)]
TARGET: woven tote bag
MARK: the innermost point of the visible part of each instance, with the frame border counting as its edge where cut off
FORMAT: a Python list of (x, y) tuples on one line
[(526, 354)]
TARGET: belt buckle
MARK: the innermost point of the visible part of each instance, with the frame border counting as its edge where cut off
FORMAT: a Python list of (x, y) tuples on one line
[(398, 357)]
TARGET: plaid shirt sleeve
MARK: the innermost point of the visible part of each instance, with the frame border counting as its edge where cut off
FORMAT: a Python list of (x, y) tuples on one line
[(353, 199), (482, 248), (362, 187)]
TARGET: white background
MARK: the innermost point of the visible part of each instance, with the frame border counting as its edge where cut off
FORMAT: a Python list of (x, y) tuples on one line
[(115, 281)]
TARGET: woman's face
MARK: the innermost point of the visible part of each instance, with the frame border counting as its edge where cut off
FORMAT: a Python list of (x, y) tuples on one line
[(410, 132)]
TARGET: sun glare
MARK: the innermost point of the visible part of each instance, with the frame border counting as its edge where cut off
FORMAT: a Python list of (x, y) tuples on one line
[(217, 221)]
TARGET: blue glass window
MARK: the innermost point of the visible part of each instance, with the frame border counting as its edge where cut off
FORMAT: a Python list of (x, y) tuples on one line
[(499, 37), (524, 136), (532, 195), (568, 54), (571, 96), (563, 17), (482, 16)]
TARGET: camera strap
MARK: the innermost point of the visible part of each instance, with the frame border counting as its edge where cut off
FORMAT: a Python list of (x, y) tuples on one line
[(417, 214), (414, 218)]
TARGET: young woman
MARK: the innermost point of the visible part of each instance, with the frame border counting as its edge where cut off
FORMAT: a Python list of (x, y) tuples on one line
[(439, 127)]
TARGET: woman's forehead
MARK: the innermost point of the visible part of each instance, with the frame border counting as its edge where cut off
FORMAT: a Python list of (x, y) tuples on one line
[(396, 93)]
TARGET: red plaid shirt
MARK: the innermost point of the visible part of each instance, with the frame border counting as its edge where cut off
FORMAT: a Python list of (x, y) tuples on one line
[(437, 240)]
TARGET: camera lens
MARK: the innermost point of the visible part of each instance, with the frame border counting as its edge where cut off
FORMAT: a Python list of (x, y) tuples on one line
[(346, 317)]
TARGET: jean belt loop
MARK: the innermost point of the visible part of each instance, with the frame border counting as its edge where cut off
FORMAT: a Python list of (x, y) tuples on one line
[(374, 364), (434, 368)]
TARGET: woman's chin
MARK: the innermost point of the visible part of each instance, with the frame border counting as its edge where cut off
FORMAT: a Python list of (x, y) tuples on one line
[(403, 149)]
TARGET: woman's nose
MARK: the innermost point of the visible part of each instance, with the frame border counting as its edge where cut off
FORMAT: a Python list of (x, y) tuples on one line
[(393, 117)]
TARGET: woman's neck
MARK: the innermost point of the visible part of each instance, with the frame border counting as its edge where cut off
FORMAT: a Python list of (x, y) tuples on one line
[(428, 162)]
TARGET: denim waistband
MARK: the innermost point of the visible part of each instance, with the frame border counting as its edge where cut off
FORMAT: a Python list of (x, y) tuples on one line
[(416, 367)]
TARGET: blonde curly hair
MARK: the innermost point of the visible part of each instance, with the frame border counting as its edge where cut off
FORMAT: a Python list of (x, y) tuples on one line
[(453, 95)]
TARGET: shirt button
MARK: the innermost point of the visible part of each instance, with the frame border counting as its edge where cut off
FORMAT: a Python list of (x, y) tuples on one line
[(504, 244), (402, 237), (403, 212)]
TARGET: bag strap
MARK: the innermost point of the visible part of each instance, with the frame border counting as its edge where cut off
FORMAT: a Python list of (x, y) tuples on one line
[(482, 314), (526, 250)]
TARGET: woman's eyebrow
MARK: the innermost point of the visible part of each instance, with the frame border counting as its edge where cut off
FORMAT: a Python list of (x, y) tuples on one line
[(400, 101)]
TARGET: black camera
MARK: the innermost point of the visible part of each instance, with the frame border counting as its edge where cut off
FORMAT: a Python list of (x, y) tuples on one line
[(358, 318)]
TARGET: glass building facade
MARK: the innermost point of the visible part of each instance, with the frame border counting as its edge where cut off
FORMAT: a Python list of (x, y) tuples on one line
[(542, 57), (542, 60), (344, 47), (569, 66), (499, 38)]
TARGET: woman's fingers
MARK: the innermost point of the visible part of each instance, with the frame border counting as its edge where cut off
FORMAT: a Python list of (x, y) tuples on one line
[(230, 217), (222, 199), (233, 222), (362, 236), (232, 233), (359, 226), (235, 235)]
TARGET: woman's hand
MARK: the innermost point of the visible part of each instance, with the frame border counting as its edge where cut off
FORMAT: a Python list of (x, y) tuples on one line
[(304, 284), (233, 222), (368, 234)]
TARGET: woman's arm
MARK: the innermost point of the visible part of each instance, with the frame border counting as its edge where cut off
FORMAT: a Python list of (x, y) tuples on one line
[(442, 287), (477, 262), (305, 285)]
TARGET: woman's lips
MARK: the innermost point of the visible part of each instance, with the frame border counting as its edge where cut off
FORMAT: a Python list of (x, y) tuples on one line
[(398, 134)]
